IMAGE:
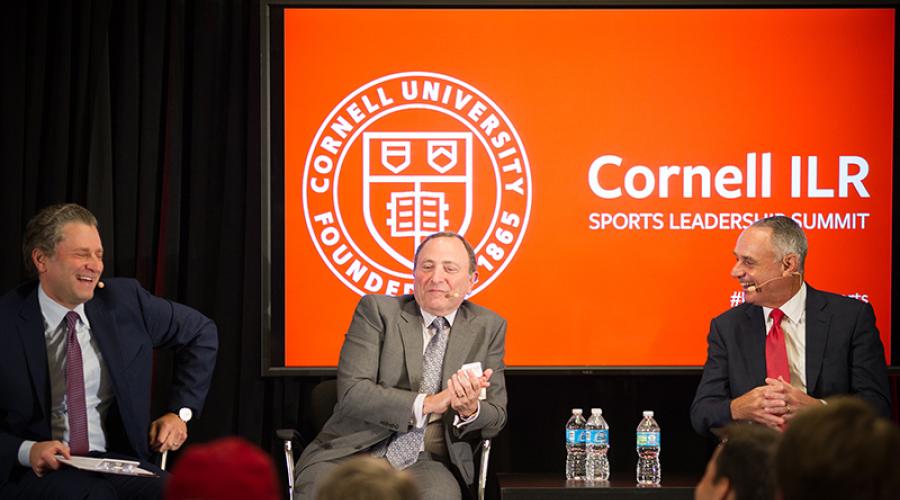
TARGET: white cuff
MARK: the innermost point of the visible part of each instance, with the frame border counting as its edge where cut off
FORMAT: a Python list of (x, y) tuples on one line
[(25, 453), (459, 422), (419, 419)]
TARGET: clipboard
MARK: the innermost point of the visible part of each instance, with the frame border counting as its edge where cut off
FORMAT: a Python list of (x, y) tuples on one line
[(107, 466)]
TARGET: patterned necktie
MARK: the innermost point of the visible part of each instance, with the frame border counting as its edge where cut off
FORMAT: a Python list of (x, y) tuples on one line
[(75, 406), (776, 351), (403, 449)]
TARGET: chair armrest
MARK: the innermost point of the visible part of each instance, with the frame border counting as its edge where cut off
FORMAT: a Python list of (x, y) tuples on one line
[(483, 467), (287, 437)]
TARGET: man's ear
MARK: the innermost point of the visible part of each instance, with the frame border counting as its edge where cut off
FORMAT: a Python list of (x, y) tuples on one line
[(791, 264), (722, 488), (39, 258)]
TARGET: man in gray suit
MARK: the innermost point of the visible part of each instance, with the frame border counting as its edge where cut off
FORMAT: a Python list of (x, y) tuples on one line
[(402, 392)]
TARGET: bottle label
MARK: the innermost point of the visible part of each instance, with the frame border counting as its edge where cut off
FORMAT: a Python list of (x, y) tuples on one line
[(597, 437), (574, 436), (648, 439)]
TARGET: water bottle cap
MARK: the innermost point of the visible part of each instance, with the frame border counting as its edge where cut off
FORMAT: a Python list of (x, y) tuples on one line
[(577, 411), (648, 413), (597, 411)]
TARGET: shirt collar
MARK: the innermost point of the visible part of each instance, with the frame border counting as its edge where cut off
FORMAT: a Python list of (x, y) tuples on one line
[(54, 313), (793, 309), (427, 317)]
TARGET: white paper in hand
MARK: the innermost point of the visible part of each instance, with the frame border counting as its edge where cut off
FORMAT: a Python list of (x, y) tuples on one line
[(476, 369), (107, 466)]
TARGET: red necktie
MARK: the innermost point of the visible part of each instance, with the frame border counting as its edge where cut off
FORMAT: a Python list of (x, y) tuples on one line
[(776, 352), (75, 407)]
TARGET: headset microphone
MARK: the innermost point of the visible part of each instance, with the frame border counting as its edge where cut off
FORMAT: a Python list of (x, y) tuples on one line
[(758, 288), (100, 284), (452, 295)]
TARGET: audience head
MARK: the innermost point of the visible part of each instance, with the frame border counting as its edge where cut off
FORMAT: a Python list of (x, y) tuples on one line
[(841, 450), (741, 466), (225, 469), (365, 477)]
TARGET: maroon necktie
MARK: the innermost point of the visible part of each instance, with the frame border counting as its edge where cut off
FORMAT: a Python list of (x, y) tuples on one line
[(76, 409), (776, 352)]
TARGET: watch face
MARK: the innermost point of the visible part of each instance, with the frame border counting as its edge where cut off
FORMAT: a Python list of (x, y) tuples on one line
[(185, 414)]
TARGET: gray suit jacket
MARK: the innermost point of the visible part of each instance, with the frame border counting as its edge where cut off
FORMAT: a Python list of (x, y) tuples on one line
[(844, 355), (380, 370)]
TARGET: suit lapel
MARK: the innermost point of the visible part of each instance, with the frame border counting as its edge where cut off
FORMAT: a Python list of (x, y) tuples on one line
[(411, 336), (31, 330), (103, 330), (462, 336), (751, 340), (817, 321)]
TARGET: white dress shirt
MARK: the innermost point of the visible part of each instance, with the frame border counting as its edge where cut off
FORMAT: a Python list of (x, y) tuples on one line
[(794, 326), (98, 393)]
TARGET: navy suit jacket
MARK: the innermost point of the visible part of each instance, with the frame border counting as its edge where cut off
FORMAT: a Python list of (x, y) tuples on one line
[(128, 323), (844, 355)]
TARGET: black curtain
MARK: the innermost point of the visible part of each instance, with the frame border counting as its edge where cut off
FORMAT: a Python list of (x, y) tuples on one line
[(147, 113)]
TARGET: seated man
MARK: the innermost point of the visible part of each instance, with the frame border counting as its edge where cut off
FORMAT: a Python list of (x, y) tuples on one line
[(741, 468), (401, 392), (842, 450), (789, 345), (76, 361)]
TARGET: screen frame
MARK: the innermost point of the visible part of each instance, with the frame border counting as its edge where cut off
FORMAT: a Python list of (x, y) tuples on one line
[(272, 143)]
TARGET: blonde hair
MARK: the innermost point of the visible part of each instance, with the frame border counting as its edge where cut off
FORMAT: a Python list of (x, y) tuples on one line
[(365, 477)]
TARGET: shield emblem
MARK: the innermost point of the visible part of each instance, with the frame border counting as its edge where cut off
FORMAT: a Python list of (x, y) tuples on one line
[(415, 184), (395, 155), (442, 155)]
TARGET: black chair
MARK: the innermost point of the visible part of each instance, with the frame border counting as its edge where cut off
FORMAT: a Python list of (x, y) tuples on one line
[(323, 399)]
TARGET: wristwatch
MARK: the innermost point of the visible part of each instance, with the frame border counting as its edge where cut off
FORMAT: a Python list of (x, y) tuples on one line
[(185, 414)]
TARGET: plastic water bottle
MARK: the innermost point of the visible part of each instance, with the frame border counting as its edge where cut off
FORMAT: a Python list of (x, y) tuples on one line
[(597, 443), (575, 445), (649, 471)]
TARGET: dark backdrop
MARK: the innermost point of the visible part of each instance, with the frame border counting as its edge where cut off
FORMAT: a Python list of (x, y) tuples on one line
[(147, 112)]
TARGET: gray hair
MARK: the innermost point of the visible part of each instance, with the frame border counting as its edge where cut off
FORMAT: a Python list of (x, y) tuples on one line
[(45, 229), (787, 236), (448, 234)]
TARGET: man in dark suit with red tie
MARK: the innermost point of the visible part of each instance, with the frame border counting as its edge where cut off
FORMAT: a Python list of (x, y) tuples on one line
[(76, 362), (788, 345)]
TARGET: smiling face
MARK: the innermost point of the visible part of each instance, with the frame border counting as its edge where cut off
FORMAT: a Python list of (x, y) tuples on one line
[(442, 278), (70, 274), (757, 260)]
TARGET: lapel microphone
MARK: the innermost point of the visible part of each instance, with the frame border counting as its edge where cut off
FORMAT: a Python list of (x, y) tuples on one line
[(758, 288)]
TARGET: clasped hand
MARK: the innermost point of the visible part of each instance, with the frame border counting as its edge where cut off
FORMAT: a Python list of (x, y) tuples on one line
[(461, 394), (773, 404)]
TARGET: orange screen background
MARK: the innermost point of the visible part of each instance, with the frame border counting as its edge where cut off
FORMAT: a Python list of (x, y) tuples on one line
[(654, 87)]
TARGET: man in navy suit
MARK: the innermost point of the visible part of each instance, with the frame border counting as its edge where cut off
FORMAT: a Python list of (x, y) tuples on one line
[(830, 343), (51, 405)]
